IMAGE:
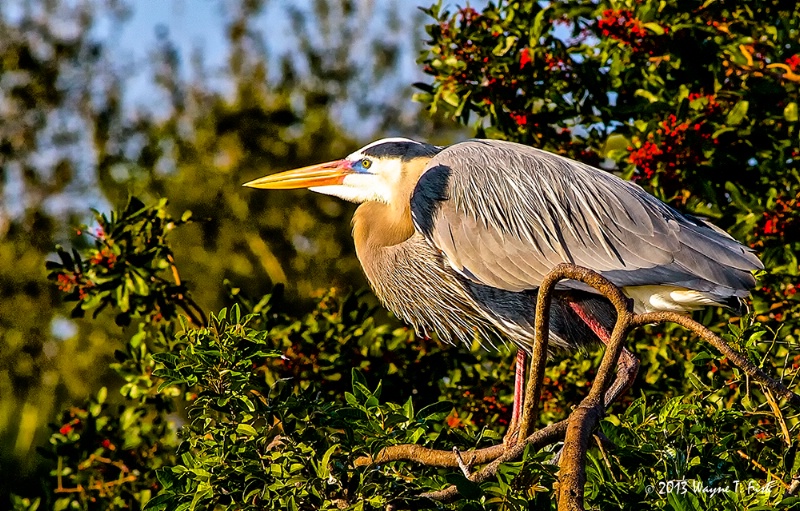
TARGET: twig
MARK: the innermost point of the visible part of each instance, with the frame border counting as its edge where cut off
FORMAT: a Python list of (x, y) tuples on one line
[(463, 466), (108, 461), (184, 300), (778, 415), (734, 356), (599, 442), (200, 312), (189, 313), (545, 436), (98, 486), (763, 469), (794, 486), (175, 275)]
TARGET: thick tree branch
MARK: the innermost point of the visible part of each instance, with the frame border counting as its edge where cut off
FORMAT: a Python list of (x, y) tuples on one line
[(577, 429)]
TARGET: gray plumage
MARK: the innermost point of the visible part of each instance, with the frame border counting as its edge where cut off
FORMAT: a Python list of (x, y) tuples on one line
[(457, 240), (504, 214)]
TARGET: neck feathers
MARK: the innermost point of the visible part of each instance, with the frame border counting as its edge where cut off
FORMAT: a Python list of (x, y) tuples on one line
[(378, 224)]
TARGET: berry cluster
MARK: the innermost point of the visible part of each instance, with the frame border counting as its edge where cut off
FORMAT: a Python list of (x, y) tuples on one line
[(782, 220), (483, 408), (705, 102), (520, 119), (621, 25), (524, 58), (554, 63), (68, 282), (472, 56), (674, 145), (67, 428), (105, 257), (793, 62)]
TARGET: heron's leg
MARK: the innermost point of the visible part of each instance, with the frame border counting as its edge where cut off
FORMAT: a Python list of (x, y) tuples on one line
[(627, 369), (627, 363), (519, 393)]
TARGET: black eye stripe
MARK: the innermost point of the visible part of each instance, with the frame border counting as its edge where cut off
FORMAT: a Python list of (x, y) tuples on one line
[(404, 150)]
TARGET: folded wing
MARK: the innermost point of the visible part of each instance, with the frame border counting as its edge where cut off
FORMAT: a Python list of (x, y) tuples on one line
[(505, 214)]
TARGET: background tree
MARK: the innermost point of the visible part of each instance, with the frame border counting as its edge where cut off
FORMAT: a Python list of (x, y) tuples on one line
[(697, 102), (72, 138)]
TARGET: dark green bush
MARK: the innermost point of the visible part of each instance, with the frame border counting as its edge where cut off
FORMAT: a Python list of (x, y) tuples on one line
[(264, 408), (258, 409)]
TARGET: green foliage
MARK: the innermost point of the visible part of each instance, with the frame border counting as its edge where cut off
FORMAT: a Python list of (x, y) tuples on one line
[(86, 124), (270, 407), (260, 409), (126, 267)]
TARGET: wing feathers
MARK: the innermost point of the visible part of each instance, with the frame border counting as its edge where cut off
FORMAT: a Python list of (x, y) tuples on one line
[(504, 214)]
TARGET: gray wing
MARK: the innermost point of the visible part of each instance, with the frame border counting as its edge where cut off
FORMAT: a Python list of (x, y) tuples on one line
[(505, 214)]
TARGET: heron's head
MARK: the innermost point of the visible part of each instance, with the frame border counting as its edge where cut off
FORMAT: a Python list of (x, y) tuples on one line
[(376, 172)]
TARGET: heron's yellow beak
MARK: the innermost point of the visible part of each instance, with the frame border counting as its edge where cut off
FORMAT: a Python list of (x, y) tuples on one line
[(322, 174)]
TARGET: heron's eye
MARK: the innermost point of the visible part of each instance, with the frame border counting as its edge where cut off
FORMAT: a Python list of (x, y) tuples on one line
[(366, 163)]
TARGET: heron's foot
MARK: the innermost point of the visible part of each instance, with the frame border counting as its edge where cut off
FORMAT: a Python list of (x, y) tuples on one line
[(512, 435), (465, 468)]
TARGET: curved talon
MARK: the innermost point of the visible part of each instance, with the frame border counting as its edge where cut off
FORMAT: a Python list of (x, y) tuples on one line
[(465, 469), (511, 437)]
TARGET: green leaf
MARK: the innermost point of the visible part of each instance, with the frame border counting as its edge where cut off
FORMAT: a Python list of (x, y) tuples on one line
[(134, 206), (790, 112), (358, 377), (737, 114), (160, 502), (503, 46), (467, 488), (204, 491), (138, 284), (702, 358), (435, 411), (649, 96), (323, 469), (655, 28), (536, 29), (450, 97), (246, 429), (408, 408), (66, 258), (166, 478)]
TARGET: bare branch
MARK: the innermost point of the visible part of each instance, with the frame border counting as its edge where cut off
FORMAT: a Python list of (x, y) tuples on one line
[(734, 356), (577, 429), (545, 436)]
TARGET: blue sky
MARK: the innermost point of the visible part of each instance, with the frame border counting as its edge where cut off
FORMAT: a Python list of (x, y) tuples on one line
[(200, 25)]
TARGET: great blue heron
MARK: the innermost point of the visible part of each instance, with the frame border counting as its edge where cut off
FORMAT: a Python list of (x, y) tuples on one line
[(456, 240)]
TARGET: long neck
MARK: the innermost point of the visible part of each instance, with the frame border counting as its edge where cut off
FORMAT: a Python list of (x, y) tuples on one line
[(377, 228), (377, 225)]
